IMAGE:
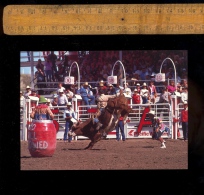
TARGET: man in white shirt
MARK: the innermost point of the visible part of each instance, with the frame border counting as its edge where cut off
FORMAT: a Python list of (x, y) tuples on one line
[(69, 95), (62, 99), (144, 92), (184, 94), (28, 92), (127, 90), (60, 87)]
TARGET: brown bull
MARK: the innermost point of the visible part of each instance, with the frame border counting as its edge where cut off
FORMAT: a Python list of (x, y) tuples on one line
[(109, 118)]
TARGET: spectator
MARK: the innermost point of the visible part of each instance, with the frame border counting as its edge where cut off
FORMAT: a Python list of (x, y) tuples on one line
[(184, 83), (127, 90), (54, 102), (48, 70), (69, 94), (85, 93), (138, 87), (40, 75), (60, 86), (69, 114), (184, 95), (111, 90), (165, 96), (40, 65), (143, 74), (28, 92), (42, 111), (136, 97), (101, 89), (34, 94), (152, 92), (144, 94), (184, 120), (179, 88), (49, 103), (53, 58), (62, 99), (171, 87)]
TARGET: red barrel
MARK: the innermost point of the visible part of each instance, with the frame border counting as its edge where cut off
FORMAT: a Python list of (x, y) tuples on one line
[(42, 138)]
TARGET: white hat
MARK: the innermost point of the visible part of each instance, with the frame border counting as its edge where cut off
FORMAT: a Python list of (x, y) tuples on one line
[(135, 89), (48, 100), (69, 104), (152, 112), (28, 87), (138, 84), (144, 84), (55, 96), (61, 91)]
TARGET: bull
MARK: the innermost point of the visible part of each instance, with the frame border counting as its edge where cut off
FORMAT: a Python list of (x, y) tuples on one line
[(115, 108)]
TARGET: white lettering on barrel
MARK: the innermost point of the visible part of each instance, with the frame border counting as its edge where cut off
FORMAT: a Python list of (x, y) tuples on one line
[(38, 145), (32, 126)]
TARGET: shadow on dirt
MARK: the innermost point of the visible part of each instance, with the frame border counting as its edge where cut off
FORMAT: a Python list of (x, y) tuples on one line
[(80, 149), (26, 156), (148, 147)]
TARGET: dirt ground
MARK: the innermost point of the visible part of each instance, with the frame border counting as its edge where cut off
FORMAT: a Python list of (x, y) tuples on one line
[(133, 154)]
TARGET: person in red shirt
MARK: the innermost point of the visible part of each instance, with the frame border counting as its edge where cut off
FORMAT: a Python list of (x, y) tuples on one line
[(136, 97), (184, 120)]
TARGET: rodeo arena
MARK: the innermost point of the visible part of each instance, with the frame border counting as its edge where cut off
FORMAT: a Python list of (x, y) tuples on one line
[(158, 78)]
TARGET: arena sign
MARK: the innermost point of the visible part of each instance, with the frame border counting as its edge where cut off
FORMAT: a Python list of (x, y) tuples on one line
[(160, 77), (112, 79), (69, 80)]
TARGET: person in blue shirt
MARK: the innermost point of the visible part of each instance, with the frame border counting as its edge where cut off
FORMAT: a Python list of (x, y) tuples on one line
[(87, 94), (69, 116)]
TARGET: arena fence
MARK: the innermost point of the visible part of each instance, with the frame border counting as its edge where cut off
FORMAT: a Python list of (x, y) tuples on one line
[(167, 112)]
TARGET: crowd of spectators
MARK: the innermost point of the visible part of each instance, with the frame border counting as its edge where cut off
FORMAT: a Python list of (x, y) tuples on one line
[(140, 68)]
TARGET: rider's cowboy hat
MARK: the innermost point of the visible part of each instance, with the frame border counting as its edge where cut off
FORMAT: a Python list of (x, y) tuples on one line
[(42, 99)]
